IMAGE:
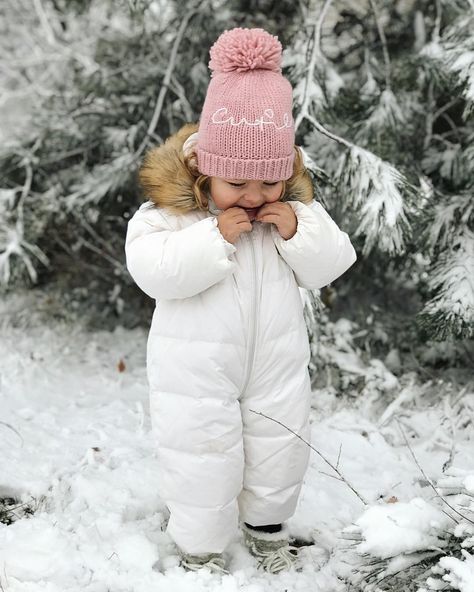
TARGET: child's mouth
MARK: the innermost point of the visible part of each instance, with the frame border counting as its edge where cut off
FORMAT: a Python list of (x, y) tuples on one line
[(252, 212)]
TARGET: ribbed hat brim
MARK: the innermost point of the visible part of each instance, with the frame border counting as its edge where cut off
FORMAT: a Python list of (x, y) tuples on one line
[(214, 165)]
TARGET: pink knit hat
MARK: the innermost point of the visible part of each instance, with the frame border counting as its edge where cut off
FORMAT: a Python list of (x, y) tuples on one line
[(246, 129)]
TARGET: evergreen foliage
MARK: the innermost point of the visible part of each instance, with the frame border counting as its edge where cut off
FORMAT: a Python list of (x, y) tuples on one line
[(384, 94)]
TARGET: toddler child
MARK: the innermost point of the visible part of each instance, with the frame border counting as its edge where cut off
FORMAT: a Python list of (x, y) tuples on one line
[(229, 233)]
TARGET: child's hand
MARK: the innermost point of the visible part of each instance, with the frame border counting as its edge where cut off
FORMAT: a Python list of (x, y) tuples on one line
[(232, 222), (282, 215)]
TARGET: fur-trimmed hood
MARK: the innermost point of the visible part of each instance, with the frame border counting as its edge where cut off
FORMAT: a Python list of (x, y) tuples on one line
[(167, 181), (164, 177)]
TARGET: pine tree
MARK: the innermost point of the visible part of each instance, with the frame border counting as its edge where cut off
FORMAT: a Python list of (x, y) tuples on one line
[(383, 106), (391, 86)]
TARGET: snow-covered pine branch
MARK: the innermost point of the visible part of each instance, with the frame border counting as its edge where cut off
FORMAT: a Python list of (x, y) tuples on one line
[(450, 313), (16, 252), (446, 219), (455, 53), (102, 180), (458, 43), (375, 188), (13, 244), (385, 113)]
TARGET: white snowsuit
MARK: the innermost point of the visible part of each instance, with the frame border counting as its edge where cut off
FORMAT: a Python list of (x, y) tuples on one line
[(228, 341)]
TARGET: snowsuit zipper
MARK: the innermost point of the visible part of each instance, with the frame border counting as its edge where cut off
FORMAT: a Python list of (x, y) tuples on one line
[(253, 317)]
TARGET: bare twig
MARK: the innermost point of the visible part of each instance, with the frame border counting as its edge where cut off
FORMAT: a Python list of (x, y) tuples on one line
[(328, 462), (430, 103), (383, 40), (461, 394), (166, 81), (445, 107), (50, 37), (339, 455), (312, 62), (452, 125), (64, 155), (304, 111), (448, 412), (117, 264), (327, 133), (24, 194), (437, 27), (329, 475), (14, 430), (178, 89), (5, 573), (319, 28), (428, 480), (93, 233)]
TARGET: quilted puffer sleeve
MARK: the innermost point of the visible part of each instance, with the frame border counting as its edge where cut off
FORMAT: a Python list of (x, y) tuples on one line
[(167, 263), (319, 252)]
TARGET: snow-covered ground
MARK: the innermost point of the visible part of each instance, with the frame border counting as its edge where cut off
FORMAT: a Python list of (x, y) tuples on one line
[(76, 446)]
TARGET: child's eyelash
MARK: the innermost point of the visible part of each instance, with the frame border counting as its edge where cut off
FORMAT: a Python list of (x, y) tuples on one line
[(242, 184)]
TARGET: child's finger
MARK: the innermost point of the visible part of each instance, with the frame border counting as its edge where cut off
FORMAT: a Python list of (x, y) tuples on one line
[(271, 208), (268, 206), (269, 218), (245, 226), (238, 214)]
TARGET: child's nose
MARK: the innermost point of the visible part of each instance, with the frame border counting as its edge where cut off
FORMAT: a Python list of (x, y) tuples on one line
[(254, 198)]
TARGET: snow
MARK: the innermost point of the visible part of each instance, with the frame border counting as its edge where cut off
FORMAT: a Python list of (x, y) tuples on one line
[(77, 447), (469, 483), (401, 528), (460, 574), (37, 550)]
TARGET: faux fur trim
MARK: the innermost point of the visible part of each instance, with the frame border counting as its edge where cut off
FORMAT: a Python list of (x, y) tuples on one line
[(164, 176), (167, 182)]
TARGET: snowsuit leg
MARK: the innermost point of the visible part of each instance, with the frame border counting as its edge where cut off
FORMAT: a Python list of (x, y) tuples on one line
[(196, 421), (275, 459), (199, 444)]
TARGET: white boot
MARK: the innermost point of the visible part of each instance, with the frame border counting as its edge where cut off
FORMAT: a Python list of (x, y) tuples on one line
[(213, 561), (272, 549)]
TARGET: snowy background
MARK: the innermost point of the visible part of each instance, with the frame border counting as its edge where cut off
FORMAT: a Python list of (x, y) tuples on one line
[(383, 104)]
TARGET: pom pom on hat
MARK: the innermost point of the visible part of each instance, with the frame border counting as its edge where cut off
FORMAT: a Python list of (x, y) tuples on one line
[(240, 50)]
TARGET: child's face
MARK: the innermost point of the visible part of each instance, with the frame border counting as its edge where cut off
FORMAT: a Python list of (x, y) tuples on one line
[(242, 193)]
